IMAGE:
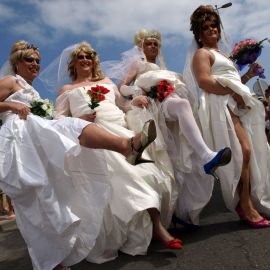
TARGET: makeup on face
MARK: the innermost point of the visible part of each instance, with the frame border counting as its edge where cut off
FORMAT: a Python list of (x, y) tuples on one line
[(31, 59), (85, 56)]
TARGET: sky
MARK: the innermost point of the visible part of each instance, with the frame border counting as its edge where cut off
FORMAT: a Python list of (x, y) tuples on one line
[(109, 26)]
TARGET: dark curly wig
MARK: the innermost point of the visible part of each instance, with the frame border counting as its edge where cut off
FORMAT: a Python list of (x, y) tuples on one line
[(199, 17)]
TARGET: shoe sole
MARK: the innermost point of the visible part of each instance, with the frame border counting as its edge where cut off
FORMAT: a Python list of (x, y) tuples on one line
[(226, 157), (152, 132)]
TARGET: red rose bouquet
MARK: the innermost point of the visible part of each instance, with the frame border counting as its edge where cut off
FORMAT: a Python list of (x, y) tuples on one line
[(160, 91), (246, 52), (97, 94)]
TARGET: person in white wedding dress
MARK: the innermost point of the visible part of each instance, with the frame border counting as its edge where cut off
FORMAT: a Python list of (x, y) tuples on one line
[(142, 196), (229, 114), (59, 203), (177, 131)]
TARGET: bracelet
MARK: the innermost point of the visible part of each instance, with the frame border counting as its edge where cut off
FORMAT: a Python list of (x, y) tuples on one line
[(247, 76)]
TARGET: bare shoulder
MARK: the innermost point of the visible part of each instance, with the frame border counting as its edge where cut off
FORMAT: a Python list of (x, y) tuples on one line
[(9, 83), (202, 53), (8, 80), (203, 57)]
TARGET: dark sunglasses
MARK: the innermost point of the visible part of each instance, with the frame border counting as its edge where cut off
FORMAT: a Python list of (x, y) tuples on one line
[(207, 27), (30, 59), (150, 43), (87, 57)]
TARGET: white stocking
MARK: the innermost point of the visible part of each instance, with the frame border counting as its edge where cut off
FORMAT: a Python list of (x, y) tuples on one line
[(180, 109)]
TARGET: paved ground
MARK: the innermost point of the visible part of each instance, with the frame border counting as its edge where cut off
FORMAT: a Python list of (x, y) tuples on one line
[(222, 243)]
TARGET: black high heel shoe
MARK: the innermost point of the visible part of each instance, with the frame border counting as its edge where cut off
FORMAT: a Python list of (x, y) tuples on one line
[(149, 134), (223, 157)]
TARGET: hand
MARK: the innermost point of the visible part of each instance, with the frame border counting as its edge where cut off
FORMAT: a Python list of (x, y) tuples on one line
[(140, 101), (90, 117), (21, 109), (253, 70), (239, 100)]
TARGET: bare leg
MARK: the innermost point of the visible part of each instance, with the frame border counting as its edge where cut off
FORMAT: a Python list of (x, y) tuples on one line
[(10, 208), (244, 188), (159, 232), (2, 202), (93, 136)]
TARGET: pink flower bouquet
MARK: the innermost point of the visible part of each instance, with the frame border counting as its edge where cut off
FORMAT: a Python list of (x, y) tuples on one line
[(246, 52)]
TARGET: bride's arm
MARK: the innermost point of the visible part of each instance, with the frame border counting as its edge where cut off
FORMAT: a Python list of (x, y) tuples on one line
[(7, 87), (123, 103), (62, 108)]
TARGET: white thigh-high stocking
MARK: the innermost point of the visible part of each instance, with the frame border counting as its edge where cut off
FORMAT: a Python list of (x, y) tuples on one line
[(180, 109)]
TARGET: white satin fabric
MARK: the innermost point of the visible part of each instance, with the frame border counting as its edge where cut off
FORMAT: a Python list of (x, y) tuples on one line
[(171, 146), (59, 206), (218, 131), (134, 188)]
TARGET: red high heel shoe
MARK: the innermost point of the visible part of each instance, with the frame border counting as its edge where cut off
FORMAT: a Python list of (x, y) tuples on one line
[(173, 244), (262, 223)]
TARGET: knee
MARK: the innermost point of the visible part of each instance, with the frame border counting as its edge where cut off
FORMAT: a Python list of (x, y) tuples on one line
[(181, 104)]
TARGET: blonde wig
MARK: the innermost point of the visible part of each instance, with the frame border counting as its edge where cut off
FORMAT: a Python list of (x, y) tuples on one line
[(86, 48), (19, 51), (144, 34)]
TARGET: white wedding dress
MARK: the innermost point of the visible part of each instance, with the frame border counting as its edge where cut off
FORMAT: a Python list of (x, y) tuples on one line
[(171, 145), (218, 131), (134, 188), (59, 202)]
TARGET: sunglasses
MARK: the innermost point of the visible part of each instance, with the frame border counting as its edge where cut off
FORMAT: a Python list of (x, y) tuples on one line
[(30, 59), (150, 43), (85, 57), (207, 27)]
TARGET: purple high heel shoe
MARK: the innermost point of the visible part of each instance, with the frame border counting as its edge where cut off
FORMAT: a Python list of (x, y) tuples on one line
[(223, 157)]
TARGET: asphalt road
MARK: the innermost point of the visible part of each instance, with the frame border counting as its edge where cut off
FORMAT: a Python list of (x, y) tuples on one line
[(221, 243)]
